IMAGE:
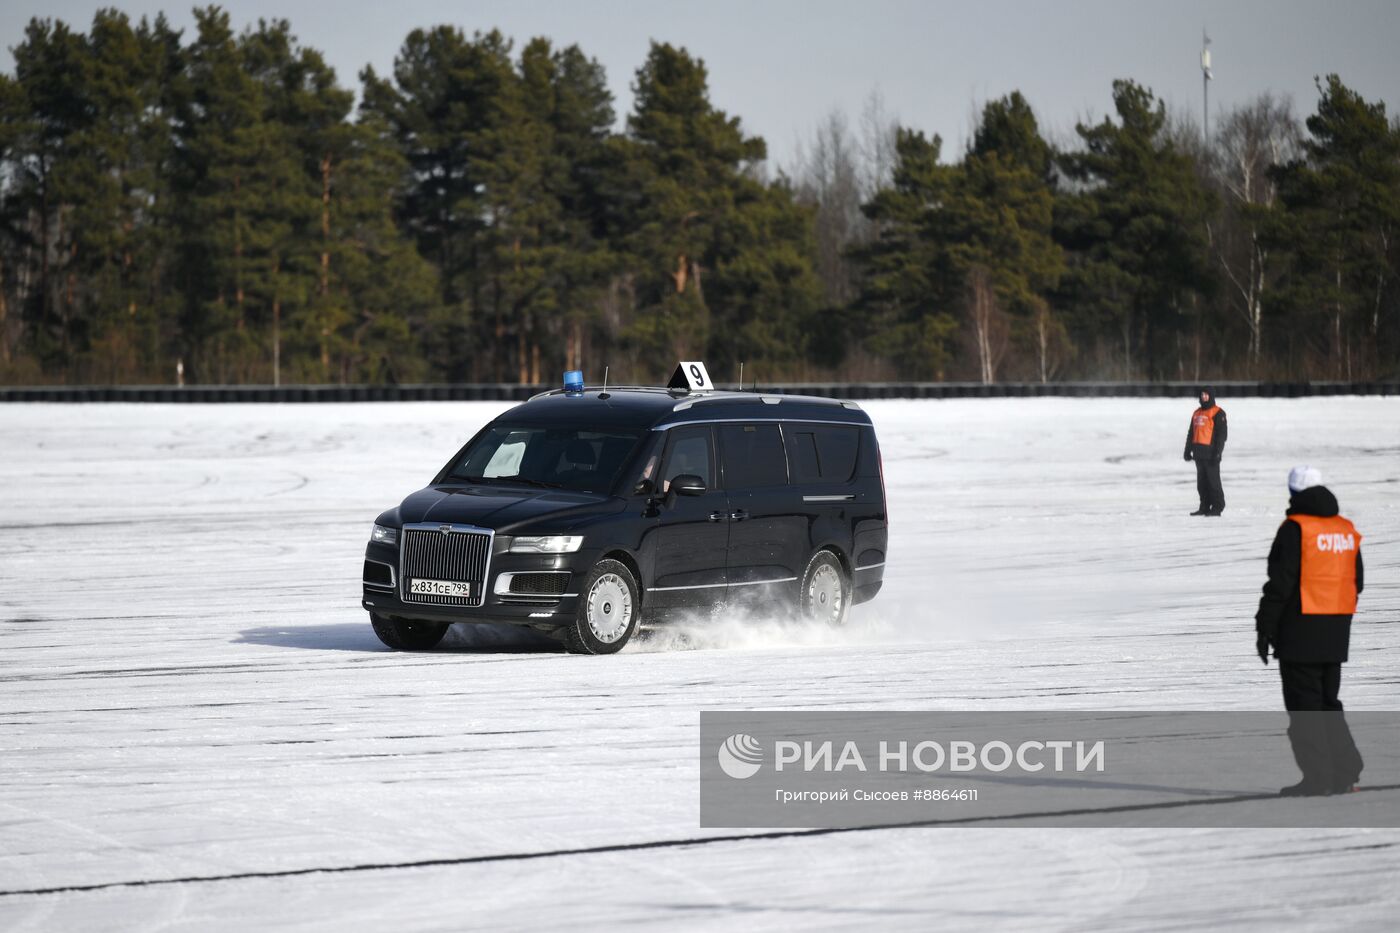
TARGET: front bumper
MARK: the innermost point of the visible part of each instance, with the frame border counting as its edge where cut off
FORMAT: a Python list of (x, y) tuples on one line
[(533, 610)]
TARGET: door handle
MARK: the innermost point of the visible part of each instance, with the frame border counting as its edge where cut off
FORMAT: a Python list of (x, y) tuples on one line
[(716, 516), (738, 515)]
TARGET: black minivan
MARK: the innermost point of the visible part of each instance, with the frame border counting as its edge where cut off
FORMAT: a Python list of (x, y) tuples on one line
[(585, 512)]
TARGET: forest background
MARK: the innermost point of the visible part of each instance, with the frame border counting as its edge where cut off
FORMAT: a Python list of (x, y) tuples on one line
[(218, 207)]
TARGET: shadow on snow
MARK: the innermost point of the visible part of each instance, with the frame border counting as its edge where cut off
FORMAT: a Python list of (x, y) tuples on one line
[(473, 637)]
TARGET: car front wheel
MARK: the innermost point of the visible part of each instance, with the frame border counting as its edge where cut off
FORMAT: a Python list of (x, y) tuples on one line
[(408, 635), (609, 606)]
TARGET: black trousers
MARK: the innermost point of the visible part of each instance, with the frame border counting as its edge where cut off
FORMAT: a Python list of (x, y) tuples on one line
[(1208, 479), (1317, 728)]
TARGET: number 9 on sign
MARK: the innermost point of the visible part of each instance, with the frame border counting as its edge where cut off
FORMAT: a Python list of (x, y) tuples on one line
[(691, 375)]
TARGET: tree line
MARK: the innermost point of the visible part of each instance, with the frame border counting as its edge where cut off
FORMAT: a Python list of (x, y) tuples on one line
[(218, 208)]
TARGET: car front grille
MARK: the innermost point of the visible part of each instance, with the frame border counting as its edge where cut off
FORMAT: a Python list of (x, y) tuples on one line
[(460, 554)]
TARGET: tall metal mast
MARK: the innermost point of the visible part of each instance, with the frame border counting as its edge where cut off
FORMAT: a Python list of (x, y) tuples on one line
[(1205, 87)]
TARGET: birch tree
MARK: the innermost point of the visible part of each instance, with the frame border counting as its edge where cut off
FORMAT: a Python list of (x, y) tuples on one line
[(1249, 142)]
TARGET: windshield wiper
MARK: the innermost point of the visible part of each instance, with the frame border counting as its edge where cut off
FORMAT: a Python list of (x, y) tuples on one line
[(531, 482), (499, 480)]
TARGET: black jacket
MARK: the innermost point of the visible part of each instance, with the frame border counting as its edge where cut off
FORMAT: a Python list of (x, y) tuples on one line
[(1310, 639), (1217, 438)]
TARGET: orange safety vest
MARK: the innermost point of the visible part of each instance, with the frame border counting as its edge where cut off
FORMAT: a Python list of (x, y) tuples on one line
[(1327, 574), (1203, 425)]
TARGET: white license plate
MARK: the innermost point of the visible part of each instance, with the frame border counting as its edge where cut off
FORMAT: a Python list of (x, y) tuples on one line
[(440, 588)]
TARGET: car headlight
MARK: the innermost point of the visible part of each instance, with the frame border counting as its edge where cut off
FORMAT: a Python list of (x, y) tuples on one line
[(383, 534), (546, 544)]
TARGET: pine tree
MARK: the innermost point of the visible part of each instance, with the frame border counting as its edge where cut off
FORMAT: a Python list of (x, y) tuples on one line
[(764, 295), (442, 107), (1135, 229), (16, 132), (1339, 228), (87, 148), (47, 171), (722, 262), (518, 245), (379, 296), (997, 225), (581, 164), (908, 285), (122, 239)]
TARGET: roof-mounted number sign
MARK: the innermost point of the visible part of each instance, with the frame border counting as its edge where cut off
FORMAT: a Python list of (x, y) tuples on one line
[(692, 376)]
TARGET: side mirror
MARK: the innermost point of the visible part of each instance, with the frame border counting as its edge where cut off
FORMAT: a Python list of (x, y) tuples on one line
[(688, 484)]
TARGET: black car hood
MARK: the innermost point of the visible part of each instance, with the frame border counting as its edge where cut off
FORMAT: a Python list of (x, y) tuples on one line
[(503, 508)]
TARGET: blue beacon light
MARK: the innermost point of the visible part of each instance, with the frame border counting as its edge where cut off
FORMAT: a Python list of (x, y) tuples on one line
[(573, 382)]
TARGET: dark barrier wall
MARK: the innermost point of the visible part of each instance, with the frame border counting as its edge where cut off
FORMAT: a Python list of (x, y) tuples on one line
[(500, 391)]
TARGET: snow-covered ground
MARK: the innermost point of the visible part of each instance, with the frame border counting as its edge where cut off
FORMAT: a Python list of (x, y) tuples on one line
[(188, 687)]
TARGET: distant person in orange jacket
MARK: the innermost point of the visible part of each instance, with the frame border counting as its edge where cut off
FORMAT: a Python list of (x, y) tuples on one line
[(1315, 575), (1205, 442)]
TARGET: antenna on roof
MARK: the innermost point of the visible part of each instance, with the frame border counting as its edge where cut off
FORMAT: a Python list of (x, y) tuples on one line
[(741, 377), (604, 393)]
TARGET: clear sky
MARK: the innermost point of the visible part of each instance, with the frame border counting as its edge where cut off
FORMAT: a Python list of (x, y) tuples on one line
[(782, 65)]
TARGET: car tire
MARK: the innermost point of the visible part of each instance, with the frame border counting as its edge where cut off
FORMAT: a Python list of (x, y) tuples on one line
[(408, 634), (824, 592), (609, 606)]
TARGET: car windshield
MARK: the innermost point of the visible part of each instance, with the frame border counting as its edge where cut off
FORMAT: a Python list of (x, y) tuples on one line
[(548, 456)]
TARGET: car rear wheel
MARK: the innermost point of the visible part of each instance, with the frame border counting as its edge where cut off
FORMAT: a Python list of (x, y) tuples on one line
[(824, 594), (609, 606), (406, 634)]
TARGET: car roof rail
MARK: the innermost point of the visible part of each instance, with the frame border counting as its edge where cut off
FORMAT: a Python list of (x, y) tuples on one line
[(712, 395), (610, 389), (765, 399)]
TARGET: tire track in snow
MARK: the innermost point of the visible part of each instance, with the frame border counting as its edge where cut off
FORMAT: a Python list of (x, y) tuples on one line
[(652, 845)]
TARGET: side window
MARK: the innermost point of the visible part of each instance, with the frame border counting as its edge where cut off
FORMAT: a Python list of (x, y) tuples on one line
[(837, 448), (752, 455), (648, 479), (689, 453), (821, 453), (802, 454)]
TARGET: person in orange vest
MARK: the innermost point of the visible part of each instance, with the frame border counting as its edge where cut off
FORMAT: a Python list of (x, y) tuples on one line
[(1205, 442), (1315, 575)]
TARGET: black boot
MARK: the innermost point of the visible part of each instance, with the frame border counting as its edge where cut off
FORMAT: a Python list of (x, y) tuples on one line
[(1201, 511), (1306, 789)]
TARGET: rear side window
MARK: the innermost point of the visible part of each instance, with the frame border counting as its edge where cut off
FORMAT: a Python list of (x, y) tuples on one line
[(752, 455), (822, 453)]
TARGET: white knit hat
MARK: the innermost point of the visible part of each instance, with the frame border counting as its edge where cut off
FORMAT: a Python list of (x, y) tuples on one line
[(1303, 477)]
